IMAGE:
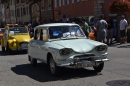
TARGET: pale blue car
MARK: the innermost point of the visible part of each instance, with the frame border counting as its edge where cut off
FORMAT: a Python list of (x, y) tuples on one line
[(65, 45)]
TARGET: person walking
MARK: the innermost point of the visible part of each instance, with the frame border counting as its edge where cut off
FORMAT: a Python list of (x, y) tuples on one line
[(101, 30), (123, 26), (85, 26), (109, 31)]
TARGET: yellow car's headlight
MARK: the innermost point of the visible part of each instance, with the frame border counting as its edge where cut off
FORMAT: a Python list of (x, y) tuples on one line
[(65, 51), (14, 40)]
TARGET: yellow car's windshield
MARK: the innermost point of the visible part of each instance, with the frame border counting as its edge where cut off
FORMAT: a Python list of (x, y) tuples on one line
[(15, 30)]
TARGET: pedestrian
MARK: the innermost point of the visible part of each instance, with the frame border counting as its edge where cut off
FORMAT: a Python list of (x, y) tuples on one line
[(123, 26), (101, 29), (85, 26), (109, 30)]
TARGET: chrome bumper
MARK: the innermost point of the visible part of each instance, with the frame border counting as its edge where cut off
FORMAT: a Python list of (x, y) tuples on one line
[(83, 63)]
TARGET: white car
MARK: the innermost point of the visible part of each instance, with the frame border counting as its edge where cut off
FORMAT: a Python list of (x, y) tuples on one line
[(65, 45)]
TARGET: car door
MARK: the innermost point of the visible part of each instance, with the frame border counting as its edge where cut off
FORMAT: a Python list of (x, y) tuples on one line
[(42, 45), (33, 45)]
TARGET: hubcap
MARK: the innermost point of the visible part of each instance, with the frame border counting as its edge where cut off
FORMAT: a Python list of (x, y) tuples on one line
[(52, 65)]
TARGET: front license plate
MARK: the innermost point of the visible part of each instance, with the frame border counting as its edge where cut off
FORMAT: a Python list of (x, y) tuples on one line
[(87, 64), (24, 46)]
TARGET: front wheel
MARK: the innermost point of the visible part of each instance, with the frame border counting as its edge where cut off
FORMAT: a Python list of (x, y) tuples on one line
[(53, 67), (99, 68), (33, 61), (3, 49), (8, 49)]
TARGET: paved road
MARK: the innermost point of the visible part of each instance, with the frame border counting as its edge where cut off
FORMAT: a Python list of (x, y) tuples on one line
[(15, 70)]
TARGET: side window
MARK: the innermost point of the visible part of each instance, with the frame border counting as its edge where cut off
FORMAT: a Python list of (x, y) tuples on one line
[(44, 35), (37, 34)]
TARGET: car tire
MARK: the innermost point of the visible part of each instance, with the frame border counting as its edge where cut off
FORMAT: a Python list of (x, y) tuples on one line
[(3, 49), (8, 50), (54, 69), (33, 61), (99, 68)]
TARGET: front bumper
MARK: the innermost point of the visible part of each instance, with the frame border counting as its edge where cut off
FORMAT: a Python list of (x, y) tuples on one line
[(85, 62)]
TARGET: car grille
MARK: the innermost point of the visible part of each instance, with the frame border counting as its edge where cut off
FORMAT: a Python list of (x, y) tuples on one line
[(87, 57)]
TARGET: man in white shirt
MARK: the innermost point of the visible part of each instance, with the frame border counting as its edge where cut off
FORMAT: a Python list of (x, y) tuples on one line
[(123, 26)]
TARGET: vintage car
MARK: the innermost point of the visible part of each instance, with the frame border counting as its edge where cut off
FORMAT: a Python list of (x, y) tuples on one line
[(1, 33), (65, 45), (15, 38)]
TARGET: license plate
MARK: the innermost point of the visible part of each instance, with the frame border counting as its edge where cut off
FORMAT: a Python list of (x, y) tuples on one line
[(25, 45), (87, 64)]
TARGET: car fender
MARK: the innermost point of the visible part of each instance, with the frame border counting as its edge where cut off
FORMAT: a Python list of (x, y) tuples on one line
[(12, 44)]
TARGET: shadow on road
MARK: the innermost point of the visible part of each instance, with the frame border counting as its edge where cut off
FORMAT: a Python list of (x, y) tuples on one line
[(119, 83), (13, 53), (41, 73)]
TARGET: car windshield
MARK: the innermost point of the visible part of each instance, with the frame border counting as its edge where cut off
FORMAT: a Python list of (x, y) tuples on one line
[(15, 30), (1, 31), (65, 32)]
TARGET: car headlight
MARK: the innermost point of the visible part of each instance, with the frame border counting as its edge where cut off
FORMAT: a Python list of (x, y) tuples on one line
[(14, 40), (65, 51), (101, 48)]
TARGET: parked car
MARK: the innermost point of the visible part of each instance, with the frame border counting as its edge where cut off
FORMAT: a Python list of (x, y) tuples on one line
[(70, 48), (1, 33), (15, 38)]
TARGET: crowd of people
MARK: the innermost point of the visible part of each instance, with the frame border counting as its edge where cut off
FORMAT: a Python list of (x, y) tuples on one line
[(103, 30)]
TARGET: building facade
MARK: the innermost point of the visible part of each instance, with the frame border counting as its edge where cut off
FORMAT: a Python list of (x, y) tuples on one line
[(73, 8), (47, 10), (64, 9), (22, 12), (7, 12), (41, 10), (12, 11)]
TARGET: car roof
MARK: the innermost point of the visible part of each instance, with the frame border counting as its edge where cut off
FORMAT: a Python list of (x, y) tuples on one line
[(56, 24)]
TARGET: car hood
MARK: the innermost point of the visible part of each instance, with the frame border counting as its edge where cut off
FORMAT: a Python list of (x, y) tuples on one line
[(79, 45), (21, 38)]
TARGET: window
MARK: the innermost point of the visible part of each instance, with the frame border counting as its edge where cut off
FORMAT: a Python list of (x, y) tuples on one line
[(65, 32), (41, 34), (27, 10), (75, 1), (18, 30), (18, 13), (37, 34), (44, 35), (24, 11), (49, 4), (42, 5), (57, 3), (65, 2)]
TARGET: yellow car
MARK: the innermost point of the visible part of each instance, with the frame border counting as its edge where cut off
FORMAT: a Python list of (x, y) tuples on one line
[(15, 38)]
